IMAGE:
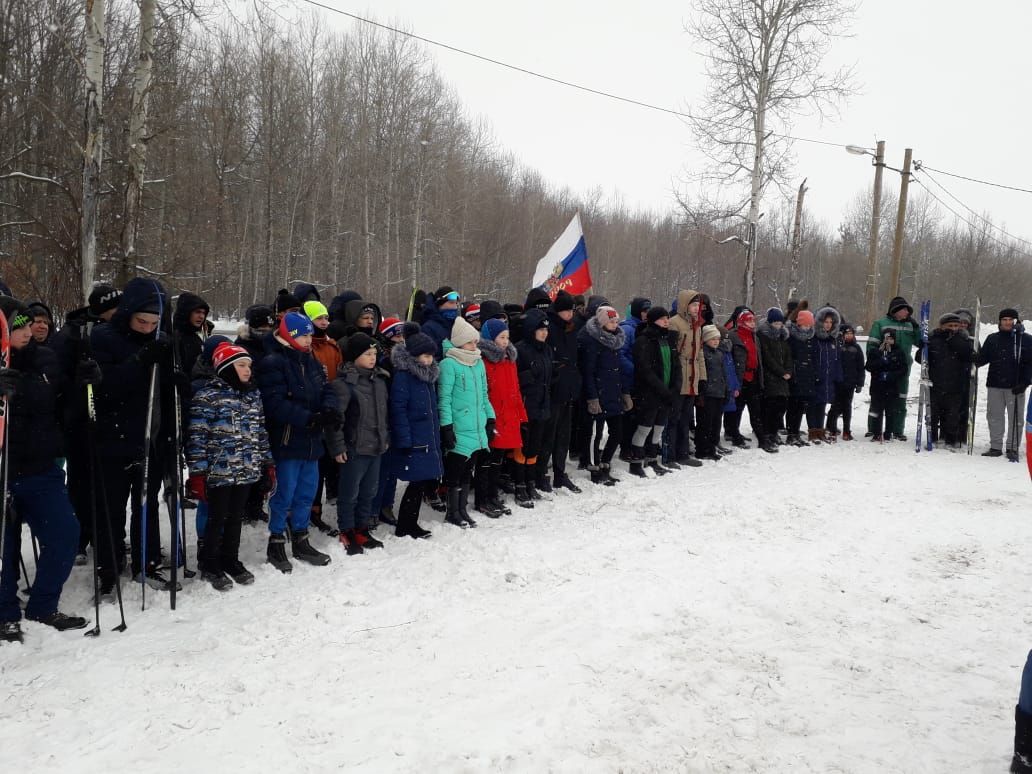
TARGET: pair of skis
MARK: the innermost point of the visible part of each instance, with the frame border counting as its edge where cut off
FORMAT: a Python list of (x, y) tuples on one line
[(924, 405)]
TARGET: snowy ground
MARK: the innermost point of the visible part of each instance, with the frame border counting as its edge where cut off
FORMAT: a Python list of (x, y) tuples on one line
[(857, 608)]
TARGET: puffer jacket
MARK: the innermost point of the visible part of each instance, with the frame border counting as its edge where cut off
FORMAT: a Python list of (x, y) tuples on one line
[(34, 433), (801, 341), (227, 440), (503, 389), (362, 402), (657, 369), (415, 423), (294, 389), (887, 367), (566, 377), (599, 355), (326, 351), (1008, 367), (631, 326), (463, 403), (853, 372), (776, 356), (949, 360), (436, 325), (715, 387), (689, 341), (189, 339), (534, 366), (828, 355)]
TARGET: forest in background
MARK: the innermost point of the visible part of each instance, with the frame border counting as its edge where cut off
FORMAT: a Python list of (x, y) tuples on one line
[(282, 151)]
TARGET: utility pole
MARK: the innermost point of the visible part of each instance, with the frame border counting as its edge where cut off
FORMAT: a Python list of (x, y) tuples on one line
[(872, 250), (797, 241), (901, 215)]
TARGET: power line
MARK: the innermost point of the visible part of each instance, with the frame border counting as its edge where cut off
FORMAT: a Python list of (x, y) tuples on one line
[(962, 219), (921, 165), (972, 211), (560, 81)]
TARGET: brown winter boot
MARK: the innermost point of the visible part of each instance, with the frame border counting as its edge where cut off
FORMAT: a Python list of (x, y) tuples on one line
[(816, 436)]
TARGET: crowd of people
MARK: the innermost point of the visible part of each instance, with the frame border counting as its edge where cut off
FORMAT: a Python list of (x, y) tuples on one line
[(312, 406)]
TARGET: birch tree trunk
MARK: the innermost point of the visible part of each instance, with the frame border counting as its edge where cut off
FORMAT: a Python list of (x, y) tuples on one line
[(137, 140), (93, 148), (797, 243)]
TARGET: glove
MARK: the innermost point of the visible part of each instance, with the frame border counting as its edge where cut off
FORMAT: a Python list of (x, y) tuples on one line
[(594, 407), (448, 439), (628, 402), (490, 428), (197, 486), (10, 379), (1018, 389), (154, 351), (268, 481), (87, 372)]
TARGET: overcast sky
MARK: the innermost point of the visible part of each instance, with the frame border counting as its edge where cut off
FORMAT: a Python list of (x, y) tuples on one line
[(948, 78)]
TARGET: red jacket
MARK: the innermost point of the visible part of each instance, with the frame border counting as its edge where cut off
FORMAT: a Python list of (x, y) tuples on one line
[(503, 388)]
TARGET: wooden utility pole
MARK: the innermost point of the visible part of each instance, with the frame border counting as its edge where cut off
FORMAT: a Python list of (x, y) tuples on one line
[(797, 241), (872, 250), (901, 216)]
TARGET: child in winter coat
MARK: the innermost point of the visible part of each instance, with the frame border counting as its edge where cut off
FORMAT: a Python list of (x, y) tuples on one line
[(228, 454), (607, 396), (299, 405), (887, 365), (326, 351), (803, 386), (534, 366), (851, 357), (467, 419), (390, 334), (503, 388), (713, 395), (657, 383), (359, 442), (415, 425), (776, 354), (828, 371)]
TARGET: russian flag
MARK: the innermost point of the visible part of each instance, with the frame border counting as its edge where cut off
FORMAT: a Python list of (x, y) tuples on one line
[(565, 265)]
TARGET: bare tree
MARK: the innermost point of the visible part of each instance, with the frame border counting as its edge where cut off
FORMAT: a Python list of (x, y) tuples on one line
[(93, 148), (765, 66)]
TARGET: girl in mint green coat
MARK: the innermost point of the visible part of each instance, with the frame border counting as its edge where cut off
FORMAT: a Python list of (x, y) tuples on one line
[(467, 419)]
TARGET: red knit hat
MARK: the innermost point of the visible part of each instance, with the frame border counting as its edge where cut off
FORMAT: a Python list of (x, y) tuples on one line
[(226, 354), (391, 327)]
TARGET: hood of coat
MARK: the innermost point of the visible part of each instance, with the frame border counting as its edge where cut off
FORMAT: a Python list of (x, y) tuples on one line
[(353, 310), (823, 313), (801, 334), (593, 303), (495, 354), (609, 340), (402, 360), (687, 296), (537, 298), (336, 308), (304, 291), (187, 304), (139, 295), (766, 330)]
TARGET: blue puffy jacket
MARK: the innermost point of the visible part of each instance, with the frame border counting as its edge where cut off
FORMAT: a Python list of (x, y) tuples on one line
[(294, 389), (600, 366), (436, 325), (630, 329), (415, 424)]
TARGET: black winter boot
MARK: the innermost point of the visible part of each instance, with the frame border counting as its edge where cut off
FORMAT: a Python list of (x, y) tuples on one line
[(565, 482), (303, 550), (610, 480), (387, 516), (523, 498), (10, 631), (454, 513), (276, 554), (1021, 763), (464, 506), (544, 485)]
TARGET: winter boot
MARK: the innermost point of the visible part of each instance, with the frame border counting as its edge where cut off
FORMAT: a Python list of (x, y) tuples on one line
[(993, 453), (408, 524), (544, 485), (815, 436), (433, 498), (795, 439), (464, 507), (350, 542), (724, 451), (636, 457), (523, 498), (218, 580), (454, 513), (532, 491), (877, 438), (652, 460), (153, 577), (316, 520), (387, 516), (488, 508), (740, 441), (847, 436), (567, 483), (239, 573), (10, 631), (610, 480), (1021, 763), (303, 550), (366, 539), (276, 553), (598, 476)]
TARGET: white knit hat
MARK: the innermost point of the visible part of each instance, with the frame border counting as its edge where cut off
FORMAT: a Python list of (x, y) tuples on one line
[(463, 333)]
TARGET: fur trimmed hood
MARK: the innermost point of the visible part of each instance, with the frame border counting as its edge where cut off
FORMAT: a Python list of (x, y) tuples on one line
[(819, 318), (802, 334), (602, 336), (766, 330), (495, 354), (403, 361)]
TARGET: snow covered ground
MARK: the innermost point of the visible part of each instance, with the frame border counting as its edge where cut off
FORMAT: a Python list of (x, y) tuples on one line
[(856, 608)]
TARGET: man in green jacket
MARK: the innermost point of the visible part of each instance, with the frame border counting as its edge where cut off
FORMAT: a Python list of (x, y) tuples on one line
[(899, 320)]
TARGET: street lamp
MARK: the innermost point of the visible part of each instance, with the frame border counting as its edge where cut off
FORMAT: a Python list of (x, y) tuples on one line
[(872, 250)]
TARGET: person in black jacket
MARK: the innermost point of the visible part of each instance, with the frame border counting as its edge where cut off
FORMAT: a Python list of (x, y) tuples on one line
[(853, 378), (566, 389), (1008, 353), (33, 385), (887, 365), (950, 352), (657, 383), (190, 328), (534, 368)]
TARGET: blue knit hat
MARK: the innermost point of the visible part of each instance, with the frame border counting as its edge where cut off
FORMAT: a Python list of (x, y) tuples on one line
[(775, 315), (491, 328)]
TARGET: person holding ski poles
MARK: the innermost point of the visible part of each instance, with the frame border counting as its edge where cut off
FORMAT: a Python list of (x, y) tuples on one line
[(1008, 353), (32, 386)]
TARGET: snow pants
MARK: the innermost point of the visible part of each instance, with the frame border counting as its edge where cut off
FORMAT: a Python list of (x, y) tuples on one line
[(296, 482), (1003, 411), (41, 501), (226, 506), (896, 413)]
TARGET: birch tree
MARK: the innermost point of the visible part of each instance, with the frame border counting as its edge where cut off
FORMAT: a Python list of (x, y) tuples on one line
[(765, 66), (93, 148)]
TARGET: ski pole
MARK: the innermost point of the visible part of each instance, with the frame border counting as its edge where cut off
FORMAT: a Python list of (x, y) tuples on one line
[(5, 406)]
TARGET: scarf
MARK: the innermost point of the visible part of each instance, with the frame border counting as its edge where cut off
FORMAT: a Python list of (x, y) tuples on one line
[(468, 357), (751, 360), (609, 340)]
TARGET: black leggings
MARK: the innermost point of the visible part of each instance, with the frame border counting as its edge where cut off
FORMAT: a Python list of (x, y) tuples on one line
[(222, 533), (458, 470), (614, 424)]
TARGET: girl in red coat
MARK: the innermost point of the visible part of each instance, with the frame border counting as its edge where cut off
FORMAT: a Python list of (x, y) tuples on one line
[(503, 389)]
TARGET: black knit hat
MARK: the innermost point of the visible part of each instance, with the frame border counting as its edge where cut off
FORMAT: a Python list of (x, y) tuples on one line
[(103, 298), (260, 316), (418, 343), (490, 308), (656, 313), (1009, 312), (286, 300), (16, 312), (358, 344), (563, 302), (899, 303), (639, 305)]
